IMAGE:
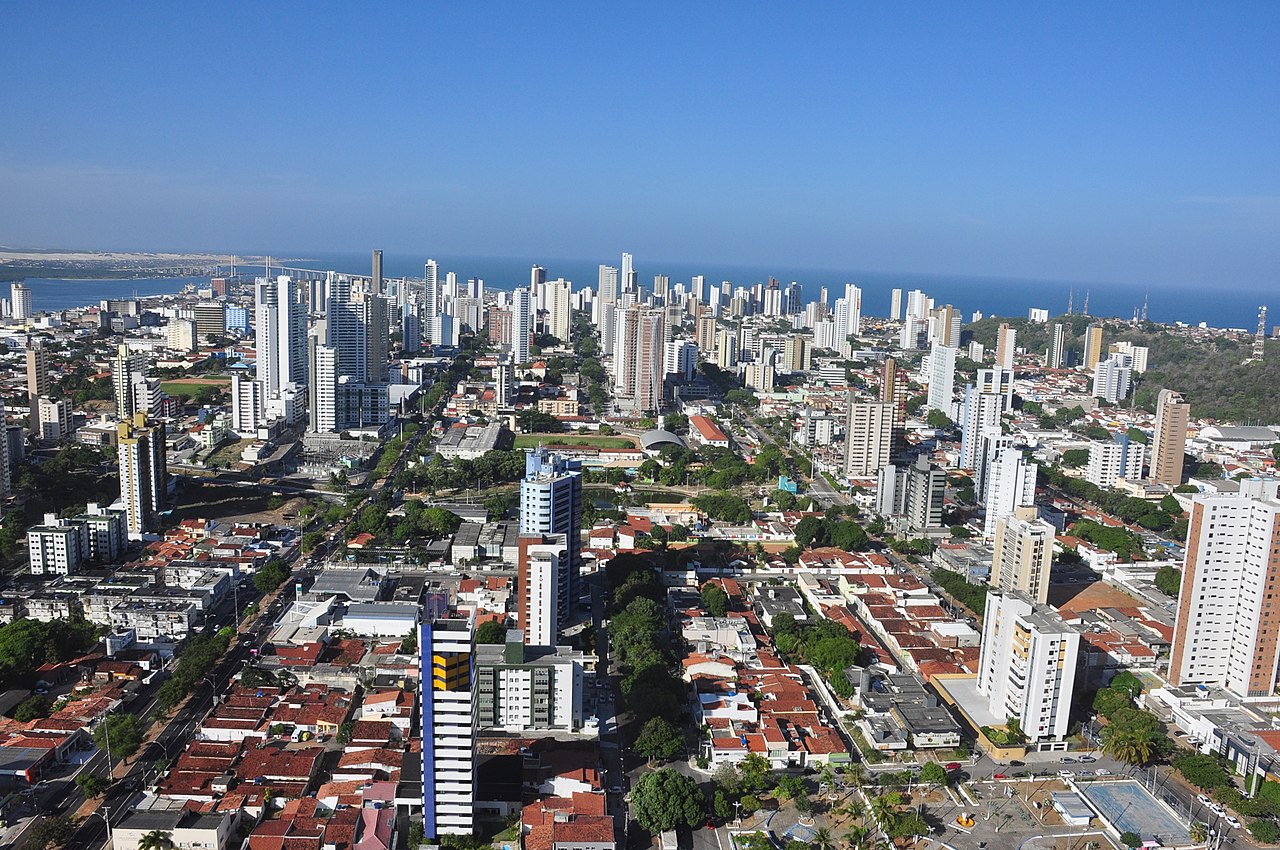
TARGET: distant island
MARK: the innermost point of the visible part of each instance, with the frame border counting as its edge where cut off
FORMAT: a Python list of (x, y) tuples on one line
[(17, 264)]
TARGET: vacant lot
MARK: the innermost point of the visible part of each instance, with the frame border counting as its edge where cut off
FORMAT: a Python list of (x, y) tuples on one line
[(201, 499), (532, 441)]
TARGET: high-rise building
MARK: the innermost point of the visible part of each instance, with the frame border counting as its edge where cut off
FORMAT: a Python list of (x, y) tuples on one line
[(280, 332), (144, 474), (377, 271), (247, 408), (760, 375), (726, 349), (551, 503), (1010, 484), (895, 305), (1006, 345), (942, 376), (126, 368), (504, 385), (606, 297), (38, 381), (211, 320), (1112, 378), (1119, 457), (853, 301), (1137, 354), (706, 333), (559, 310), (1023, 554), (628, 280), (1092, 346), (946, 326), (540, 562), (912, 492), (446, 648), (637, 358), (979, 412), (20, 302), (679, 357), (528, 688), (1056, 357), (181, 334), (868, 436), (521, 325), (1027, 665), (1169, 443), (432, 303), (797, 354), (998, 382), (54, 419), (1227, 627)]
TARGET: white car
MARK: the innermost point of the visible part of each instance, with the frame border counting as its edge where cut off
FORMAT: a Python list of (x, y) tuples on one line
[(1232, 822), (1203, 799), (1217, 810)]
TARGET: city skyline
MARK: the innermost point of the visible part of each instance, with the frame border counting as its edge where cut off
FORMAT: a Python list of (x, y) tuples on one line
[(1093, 144)]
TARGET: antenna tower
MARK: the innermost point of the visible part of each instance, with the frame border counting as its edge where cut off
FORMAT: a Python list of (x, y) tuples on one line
[(1071, 301), (1086, 302), (1260, 341), (1146, 295)]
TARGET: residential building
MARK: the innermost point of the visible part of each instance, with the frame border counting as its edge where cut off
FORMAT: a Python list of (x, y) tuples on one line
[(1112, 378), (446, 653), (559, 311), (551, 503), (211, 320), (524, 687), (868, 436), (1227, 626), (54, 418), (913, 493), (56, 547), (942, 376), (1023, 554), (1010, 484), (1119, 457), (20, 302), (144, 475), (1169, 443), (1092, 346), (679, 357), (1056, 356), (1006, 345), (39, 381), (181, 335), (979, 413), (542, 607), (1027, 666)]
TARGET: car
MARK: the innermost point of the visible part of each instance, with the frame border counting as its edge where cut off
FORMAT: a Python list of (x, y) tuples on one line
[(1069, 760), (616, 789), (1217, 810), (999, 776), (1016, 763), (1067, 774), (41, 692), (1203, 799), (1232, 821), (1087, 759), (952, 765), (1102, 771)]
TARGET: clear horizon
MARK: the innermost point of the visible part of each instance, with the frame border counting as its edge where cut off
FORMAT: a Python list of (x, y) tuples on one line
[(1097, 144)]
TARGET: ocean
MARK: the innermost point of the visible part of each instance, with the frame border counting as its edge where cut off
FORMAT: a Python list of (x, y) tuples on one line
[(1220, 307)]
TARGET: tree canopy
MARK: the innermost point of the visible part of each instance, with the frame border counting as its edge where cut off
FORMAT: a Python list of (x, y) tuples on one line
[(665, 799)]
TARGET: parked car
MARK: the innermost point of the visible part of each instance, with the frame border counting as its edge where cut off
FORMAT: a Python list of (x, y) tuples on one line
[(999, 776), (1232, 822), (952, 765), (1087, 759), (1069, 760)]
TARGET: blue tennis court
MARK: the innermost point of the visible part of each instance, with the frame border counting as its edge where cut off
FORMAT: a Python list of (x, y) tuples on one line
[(1131, 809)]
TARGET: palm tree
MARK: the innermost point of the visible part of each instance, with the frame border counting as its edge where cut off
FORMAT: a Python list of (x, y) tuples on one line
[(858, 838), (1128, 743), (156, 839), (884, 809), (821, 839)]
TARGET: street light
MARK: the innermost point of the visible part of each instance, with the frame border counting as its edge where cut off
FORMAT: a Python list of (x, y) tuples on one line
[(106, 818)]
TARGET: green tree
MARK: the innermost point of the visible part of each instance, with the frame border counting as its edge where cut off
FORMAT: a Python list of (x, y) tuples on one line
[(1265, 831), (1075, 458), (755, 772), (271, 576), (1134, 737), (714, 599), (665, 799), (1169, 580), (1202, 771), (809, 530), (933, 773), (31, 708), (491, 631), (345, 730), (123, 731), (50, 833), (93, 785), (937, 419), (659, 739), (1130, 839), (1128, 683)]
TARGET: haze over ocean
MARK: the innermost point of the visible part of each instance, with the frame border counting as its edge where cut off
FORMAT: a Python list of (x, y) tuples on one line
[(1227, 308)]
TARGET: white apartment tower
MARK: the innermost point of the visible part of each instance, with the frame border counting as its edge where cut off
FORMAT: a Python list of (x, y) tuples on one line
[(521, 325), (1113, 459), (868, 436), (539, 564), (1027, 665), (1010, 484), (559, 309), (1227, 626), (551, 503), (942, 377)]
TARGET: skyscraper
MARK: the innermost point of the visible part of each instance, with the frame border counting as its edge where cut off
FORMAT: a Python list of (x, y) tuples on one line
[(606, 298), (979, 412), (1169, 442), (431, 301), (637, 358), (377, 271), (942, 376), (38, 380), (126, 368), (868, 436), (946, 326), (280, 333), (1227, 626), (1092, 346), (1010, 484), (1023, 554), (895, 305), (628, 280), (20, 302), (559, 310), (144, 475), (1056, 357), (446, 652), (521, 325), (551, 503), (1006, 345), (1118, 457), (1112, 377)]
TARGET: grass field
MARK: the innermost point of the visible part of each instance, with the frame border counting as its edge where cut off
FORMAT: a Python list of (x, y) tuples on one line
[(189, 388), (532, 441)]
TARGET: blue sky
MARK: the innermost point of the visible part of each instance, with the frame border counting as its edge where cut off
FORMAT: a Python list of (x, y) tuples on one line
[(1130, 142)]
